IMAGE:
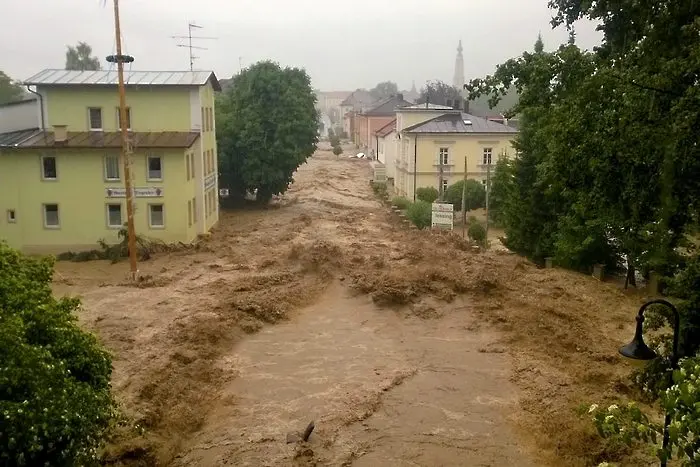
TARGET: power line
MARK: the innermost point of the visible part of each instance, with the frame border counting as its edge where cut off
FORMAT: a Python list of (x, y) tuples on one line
[(190, 37)]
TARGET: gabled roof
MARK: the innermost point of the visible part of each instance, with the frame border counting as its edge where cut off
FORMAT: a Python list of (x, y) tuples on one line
[(107, 139), (358, 98), (387, 107), (14, 138), (386, 129), (459, 123), (55, 77)]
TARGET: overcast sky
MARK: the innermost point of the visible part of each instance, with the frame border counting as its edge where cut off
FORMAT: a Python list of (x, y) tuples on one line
[(343, 44)]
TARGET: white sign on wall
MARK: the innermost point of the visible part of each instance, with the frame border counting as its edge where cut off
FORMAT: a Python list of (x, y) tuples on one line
[(148, 192), (210, 181), (443, 216)]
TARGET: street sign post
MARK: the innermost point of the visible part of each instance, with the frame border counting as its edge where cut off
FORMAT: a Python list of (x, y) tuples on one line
[(443, 216)]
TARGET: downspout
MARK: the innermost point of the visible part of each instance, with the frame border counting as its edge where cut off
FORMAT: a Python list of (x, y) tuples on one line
[(377, 137), (41, 108), (415, 165)]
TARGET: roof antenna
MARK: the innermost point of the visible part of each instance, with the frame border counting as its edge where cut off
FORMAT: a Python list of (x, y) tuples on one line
[(189, 45)]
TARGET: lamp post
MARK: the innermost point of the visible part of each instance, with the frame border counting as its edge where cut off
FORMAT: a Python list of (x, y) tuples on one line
[(638, 350)]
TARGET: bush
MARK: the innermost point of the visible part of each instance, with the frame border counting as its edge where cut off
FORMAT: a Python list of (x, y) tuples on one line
[(477, 232), (476, 195), (380, 189), (427, 194), (337, 150), (55, 400), (420, 213), (400, 202)]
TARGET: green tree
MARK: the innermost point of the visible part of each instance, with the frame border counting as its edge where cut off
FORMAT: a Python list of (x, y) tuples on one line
[(501, 188), (420, 214), (439, 93), (266, 128), (55, 400), (80, 58), (427, 194), (9, 90), (476, 195), (384, 89)]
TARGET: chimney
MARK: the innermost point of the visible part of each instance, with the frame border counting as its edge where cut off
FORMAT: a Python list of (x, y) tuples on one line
[(466, 106), (399, 96), (60, 133)]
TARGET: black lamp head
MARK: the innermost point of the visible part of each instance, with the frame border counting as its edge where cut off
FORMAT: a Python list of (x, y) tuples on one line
[(637, 349)]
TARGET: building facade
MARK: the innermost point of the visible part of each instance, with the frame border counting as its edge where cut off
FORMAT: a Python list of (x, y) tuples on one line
[(432, 153), (62, 186)]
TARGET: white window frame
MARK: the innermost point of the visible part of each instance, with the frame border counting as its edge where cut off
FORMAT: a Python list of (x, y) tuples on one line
[(128, 118), (444, 156), (58, 216), (487, 156), (102, 122), (119, 169), (148, 167), (150, 216), (43, 172), (121, 216), (11, 216), (194, 210), (445, 186)]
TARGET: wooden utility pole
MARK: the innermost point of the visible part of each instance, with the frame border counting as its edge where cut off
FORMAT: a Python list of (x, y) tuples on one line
[(126, 144), (464, 201), (488, 191)]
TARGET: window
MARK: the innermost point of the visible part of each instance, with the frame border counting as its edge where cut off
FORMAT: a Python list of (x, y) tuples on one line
[(194, 210), (112, 167), (444, 185), (204, 120), (128, 118), (487, 156), (11, 216), (444, 156), (48, 168), (187, 163), (192, 163), (211, 119), (114, 216), (155, 168), (156, 218), (206, 205), (483, 182), (51, 220), (95, 118), (189, 212)]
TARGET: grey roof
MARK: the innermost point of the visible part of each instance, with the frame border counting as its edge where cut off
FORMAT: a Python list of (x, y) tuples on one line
[(55, 77), (358, 99), (387, 107), (427, 106), (24, 100), (459, 123), (13, 138)]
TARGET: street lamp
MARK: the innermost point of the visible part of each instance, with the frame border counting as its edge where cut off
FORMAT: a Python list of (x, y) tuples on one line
[(638, 350)]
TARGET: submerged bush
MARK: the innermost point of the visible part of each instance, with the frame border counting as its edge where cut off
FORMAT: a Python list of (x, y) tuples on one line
[(55, 399)]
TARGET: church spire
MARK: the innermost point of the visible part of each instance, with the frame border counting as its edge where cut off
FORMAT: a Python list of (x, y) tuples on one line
[(458, 81)]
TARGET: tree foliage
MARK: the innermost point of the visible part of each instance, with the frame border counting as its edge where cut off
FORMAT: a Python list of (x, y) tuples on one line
[(266, 128), (439, 93), (420, 214), (427, 194), (384, 89), (10, 91), (502, 184), (476, 195), (55, 401), (80, 58)]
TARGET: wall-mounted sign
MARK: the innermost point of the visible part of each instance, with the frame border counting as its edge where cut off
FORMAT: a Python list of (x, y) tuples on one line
[(148, 192), (210, 181)]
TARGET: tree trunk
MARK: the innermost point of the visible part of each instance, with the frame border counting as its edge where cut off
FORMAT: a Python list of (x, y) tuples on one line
[(631, 278)]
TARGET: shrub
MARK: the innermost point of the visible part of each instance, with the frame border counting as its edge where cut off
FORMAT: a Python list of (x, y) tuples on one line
[(400, 202), (476, 195), (420, 213), (477, 232), (380, 189), (55, 400), (427, 194), (337, 150)]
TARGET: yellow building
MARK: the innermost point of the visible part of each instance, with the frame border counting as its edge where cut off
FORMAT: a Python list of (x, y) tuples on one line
[(433, 142), (62, 186)]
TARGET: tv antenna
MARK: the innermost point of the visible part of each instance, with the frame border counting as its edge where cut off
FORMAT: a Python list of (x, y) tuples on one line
[(189, 45)]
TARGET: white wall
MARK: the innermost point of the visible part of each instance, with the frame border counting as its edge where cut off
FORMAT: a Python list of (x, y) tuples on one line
[(19, 116)]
